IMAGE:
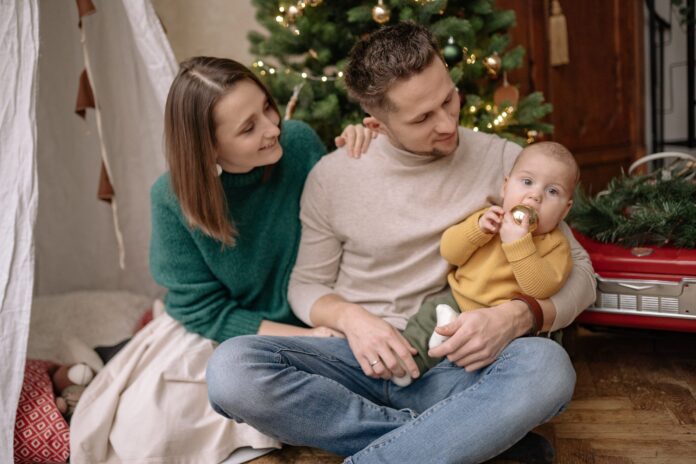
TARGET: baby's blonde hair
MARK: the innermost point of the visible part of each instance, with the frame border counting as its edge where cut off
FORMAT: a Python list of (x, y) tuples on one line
[(554, 150)]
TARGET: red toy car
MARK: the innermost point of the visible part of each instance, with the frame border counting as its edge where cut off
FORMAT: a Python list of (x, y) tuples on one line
[(644, 287)]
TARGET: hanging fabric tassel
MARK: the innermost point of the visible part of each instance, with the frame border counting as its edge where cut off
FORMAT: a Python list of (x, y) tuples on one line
[(558, 36), (84, 8)]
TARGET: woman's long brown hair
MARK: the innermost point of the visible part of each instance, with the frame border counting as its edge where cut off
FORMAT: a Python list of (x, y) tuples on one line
[(189, 131)]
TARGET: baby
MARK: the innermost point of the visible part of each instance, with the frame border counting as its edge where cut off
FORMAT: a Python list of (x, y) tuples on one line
[(497, 256)]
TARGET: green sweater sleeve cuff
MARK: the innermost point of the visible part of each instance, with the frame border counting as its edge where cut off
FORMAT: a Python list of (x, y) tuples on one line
[(519, 249), (240, 322)]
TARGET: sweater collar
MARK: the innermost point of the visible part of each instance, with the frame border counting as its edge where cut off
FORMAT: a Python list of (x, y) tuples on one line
[(403, 157), (234, 180)]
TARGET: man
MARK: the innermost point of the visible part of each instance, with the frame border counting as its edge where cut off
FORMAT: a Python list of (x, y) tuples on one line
[(369, 256)]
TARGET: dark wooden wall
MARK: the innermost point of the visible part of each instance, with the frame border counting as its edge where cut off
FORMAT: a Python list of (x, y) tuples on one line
[(598, 97)]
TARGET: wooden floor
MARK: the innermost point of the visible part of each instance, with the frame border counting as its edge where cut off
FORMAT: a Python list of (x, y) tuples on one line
[(634, 402)]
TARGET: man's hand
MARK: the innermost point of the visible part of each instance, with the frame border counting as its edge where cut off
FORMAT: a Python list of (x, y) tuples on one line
[(478, 337), (377, 345), (356, 139)]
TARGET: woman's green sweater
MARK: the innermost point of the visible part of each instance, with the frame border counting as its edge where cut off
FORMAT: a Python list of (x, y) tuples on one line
[(224, 292)]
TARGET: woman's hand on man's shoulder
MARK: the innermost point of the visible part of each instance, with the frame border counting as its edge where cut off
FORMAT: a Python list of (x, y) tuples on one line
[(356, 139)]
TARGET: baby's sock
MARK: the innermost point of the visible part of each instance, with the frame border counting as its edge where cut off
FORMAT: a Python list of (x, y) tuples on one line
[(445, 315)]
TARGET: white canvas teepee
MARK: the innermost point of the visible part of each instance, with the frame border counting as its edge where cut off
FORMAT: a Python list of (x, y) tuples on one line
[(55, 235)]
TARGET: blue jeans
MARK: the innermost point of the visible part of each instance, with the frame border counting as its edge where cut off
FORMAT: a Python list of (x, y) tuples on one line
[(312, 392)]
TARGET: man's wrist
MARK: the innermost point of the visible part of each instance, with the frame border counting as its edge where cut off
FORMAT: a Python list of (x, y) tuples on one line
[(535, 312), (346, 312)]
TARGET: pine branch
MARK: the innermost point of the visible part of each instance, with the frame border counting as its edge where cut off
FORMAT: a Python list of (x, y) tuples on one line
[(640, 210)]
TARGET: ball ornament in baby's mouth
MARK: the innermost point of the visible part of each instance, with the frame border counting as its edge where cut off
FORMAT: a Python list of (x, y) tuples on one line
[(520, 211)]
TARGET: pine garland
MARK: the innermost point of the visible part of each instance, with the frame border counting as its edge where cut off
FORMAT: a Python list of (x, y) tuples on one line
[(640, 210)]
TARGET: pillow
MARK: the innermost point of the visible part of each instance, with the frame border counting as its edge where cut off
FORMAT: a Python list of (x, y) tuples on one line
[(41, 434), (105, 318)]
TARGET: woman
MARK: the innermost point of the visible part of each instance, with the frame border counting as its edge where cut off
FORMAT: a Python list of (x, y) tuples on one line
[(225, 232)]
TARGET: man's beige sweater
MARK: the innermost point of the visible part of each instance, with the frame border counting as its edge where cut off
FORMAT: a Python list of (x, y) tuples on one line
[(371, 227)]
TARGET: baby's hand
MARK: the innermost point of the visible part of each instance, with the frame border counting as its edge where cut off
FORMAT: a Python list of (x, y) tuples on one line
[(490, 221), (511, 231)]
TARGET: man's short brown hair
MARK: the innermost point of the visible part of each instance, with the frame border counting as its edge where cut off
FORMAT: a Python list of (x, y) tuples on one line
[(384, 57)]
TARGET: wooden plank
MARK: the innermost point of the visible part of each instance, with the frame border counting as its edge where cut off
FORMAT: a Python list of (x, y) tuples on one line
[(621, 416), (660, 460), (298, 454), (685, 371), (636, 448), (625, 431), (584, 385), (607, 403), (574, 451)]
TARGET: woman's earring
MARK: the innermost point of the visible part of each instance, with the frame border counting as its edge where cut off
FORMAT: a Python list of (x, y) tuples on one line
[(219, 169)]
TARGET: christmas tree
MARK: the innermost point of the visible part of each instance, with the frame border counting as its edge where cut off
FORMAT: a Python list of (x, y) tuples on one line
[(302, 57)]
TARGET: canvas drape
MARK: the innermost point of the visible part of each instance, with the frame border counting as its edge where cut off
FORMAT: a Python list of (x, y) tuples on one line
[(55, 235), (19, 55)]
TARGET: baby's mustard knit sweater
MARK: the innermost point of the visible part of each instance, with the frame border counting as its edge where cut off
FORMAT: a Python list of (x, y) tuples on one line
[(489, 272)]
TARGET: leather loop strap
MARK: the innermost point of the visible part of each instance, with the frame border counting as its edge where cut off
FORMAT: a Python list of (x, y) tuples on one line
[(537, 314)]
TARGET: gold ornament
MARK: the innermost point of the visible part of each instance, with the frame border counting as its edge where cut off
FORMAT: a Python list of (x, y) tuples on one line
[(532, 136), (519, 212), (380, 13), (492, 64)]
